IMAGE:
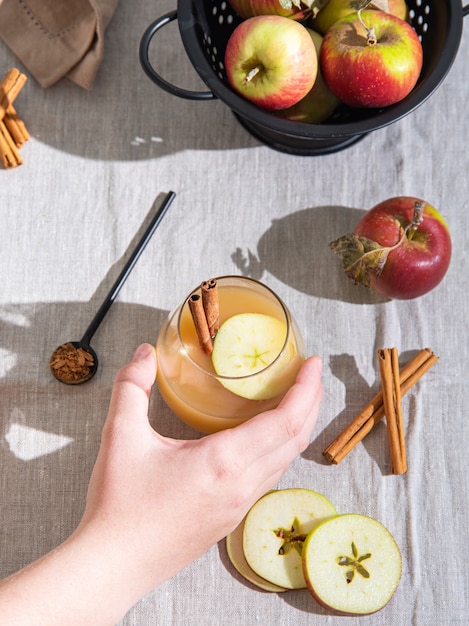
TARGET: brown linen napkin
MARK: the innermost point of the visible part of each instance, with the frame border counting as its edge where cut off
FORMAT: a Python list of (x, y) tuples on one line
[(57, 38)]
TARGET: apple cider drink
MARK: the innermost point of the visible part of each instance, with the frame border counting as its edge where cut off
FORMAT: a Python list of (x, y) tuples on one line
[(221, 365)]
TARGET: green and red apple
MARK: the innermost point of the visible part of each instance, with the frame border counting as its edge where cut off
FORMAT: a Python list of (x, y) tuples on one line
[(319, 103), (271, 61), (335, 10), (352, 564), (371, 59), (401, 248)]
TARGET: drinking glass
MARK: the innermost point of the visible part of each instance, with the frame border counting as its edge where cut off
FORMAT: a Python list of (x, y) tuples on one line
[(186, 378)]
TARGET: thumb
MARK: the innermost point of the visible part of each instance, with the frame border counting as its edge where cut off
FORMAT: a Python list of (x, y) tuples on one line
[(132, 387)]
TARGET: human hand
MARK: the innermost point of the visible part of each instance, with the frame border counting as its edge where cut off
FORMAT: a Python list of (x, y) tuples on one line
[(155, 504), (171, 500)]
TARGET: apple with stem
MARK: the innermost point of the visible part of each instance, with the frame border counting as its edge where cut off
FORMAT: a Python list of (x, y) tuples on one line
[(271, 61), (371, 59), (294, 9), (401, 248), (319, 103), (352, 564), (274, 531), (335, 10)]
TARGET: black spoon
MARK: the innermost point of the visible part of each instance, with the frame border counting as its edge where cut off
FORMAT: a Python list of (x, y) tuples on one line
[(75, 362)]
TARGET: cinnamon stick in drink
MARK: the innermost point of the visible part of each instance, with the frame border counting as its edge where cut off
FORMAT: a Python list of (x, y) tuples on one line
[(389, 371), (373, 412), (209, 289), (200, 321)]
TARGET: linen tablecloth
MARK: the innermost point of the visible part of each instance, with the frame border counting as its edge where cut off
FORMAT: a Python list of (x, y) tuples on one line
[(95, 165)]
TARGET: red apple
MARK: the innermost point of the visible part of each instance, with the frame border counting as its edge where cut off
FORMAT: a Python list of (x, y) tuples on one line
[(319, 103), (271, 61), (401, 248), (295, 9), (334, 10), (373, 66)]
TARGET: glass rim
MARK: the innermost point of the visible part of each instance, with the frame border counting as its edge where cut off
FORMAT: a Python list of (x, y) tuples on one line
[(283, 307)]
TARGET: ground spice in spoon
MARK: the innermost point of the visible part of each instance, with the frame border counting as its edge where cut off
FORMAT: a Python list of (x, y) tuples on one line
[(70, 364)]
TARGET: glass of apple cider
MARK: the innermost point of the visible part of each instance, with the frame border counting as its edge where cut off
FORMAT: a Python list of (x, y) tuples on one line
[(238, 377)]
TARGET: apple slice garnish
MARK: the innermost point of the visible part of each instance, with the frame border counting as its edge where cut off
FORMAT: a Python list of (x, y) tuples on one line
[(244, 346), (235, 550), (352, 564), (274, 531)]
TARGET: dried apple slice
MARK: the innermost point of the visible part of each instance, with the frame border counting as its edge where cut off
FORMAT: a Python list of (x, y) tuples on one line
[(352, 564), (245, 345), (234, 547), (275, 529)]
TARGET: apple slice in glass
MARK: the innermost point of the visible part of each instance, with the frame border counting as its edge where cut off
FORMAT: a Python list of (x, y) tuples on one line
[(352, 564), (249, 354), (275, 529)]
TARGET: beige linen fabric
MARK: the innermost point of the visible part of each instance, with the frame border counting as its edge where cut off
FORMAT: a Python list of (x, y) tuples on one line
[(71, 214), (57, 38)]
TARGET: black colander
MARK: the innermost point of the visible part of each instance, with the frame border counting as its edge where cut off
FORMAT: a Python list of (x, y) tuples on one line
[(205, 26)]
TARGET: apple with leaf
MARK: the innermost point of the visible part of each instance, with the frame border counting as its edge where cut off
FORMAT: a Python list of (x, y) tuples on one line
[(401, 248)]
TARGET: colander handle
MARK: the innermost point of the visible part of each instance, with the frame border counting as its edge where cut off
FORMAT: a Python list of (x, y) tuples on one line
[(153, 74)]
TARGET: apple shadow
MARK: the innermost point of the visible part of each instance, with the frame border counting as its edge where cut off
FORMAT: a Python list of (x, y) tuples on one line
[(299, 599), (299, 255)]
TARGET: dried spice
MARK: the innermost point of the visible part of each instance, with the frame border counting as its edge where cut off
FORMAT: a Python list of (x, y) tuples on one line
[(13, 132), (71, 364)]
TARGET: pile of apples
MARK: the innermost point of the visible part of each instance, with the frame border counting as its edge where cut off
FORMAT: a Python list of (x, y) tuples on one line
[(295, 539), (302, 58)]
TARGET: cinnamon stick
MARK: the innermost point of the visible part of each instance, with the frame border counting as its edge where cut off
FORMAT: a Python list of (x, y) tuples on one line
[(13, 131), (389, 371), (10, 87), (209, 289), (9, 153), (373, 412), (16, 127), (200, 321)]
